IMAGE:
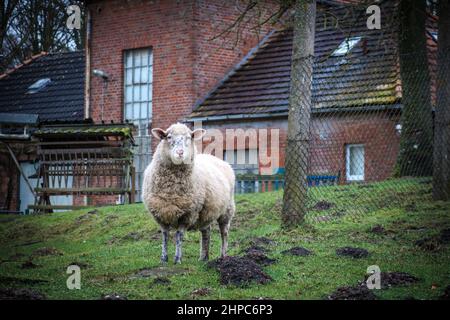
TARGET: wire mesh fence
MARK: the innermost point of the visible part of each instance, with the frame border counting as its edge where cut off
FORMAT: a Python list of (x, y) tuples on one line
[(368, 144)]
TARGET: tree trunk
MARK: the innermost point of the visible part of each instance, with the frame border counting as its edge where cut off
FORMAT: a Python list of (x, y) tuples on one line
[(295, 190), (415, 156), (441, 164)]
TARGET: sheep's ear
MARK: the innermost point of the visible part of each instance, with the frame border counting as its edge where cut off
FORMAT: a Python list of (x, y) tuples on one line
[(197, 134), (159, 133)]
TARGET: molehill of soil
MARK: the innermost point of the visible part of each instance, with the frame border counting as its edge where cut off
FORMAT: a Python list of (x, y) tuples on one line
[(21, 294), (358, 292), (323, 205), (257, 254), (297, 251), (239, 271), (355, 253)]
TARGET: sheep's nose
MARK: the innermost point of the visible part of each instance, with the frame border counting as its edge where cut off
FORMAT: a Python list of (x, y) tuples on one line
[(180, 152)]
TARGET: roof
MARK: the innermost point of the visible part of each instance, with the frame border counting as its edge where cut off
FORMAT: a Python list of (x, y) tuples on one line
[(61, 100), (367, 76)]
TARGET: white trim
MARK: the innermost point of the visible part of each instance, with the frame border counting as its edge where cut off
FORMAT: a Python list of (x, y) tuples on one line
[(347, 163)]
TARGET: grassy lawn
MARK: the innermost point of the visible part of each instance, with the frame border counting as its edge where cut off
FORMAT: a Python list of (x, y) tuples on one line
[(114, 243)]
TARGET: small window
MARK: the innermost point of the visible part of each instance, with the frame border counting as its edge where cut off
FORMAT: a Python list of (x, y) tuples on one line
[(355, 162), (346, 46), (39, 85), (243, 161)]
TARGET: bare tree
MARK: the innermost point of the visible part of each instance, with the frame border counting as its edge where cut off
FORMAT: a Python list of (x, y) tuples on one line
[(295, 191), (441, 164), (415, 156), (35, 26)]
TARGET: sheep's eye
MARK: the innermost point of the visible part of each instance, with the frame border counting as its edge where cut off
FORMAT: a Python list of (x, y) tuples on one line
[(169, 137)]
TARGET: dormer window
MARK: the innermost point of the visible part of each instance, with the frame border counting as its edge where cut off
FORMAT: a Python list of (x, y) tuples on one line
[(39, 85), (346, 46)]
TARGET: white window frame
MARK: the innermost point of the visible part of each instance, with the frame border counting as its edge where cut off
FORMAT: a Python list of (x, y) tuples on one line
[(347, 163), (138, 93)]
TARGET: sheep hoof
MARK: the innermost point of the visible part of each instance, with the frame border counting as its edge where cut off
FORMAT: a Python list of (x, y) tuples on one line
[(204, 259), (177, 260), (164, 259)]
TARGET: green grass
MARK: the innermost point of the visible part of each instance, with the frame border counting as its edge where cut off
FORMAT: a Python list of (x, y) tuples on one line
[(403, 207)]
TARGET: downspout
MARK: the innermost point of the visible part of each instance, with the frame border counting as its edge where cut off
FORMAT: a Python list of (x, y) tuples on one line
[(87, 73)]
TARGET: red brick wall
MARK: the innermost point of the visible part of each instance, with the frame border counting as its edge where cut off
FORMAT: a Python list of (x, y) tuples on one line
[(216, 55), (186, 64), (331, 134)]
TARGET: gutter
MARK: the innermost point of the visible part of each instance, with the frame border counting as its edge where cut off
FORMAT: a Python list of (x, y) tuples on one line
[(285, 114), (87, 73), (237, 116)]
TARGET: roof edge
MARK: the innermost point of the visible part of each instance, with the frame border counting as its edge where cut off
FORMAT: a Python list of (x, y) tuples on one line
[(243, 116), (24, 63)]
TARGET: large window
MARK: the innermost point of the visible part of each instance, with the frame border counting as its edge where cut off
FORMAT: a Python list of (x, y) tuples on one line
[(138, 84), (355, 162), (138, 79)]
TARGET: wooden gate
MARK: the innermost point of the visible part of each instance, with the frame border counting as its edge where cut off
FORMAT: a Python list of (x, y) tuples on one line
[(83, 160)]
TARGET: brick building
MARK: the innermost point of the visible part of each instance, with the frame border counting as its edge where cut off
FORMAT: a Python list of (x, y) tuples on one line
[(355, 127), (160, 58), (153, 63)]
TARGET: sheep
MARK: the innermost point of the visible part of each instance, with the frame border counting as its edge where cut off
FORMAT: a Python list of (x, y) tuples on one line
[(184, 190)]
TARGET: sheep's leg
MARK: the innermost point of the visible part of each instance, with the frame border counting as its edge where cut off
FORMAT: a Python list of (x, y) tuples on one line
[(204, 243), (178, 242), (165, 239), (224, 226)]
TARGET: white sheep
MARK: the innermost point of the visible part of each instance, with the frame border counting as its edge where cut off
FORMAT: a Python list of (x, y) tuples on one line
[(184, 190)]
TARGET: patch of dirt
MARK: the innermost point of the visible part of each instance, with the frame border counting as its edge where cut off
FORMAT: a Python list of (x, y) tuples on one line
[(110, 218), (323, 205), (355, 253), (358, 292), (22, 281), (113, 296), (429, 244), (446, 294), (21, 294), (390, 279), (29, 264), (262, 241), (160, 271), (47, 251), (378, 229), (445, 236), (297, 251), (365, 186), (132, 236), (255, 248), (259, 257), (163, 281), (411, 207), (239, 271), (200, 292), (16, 256)]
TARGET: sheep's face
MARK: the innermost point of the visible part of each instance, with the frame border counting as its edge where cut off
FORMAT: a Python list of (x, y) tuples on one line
[(178, 142)]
